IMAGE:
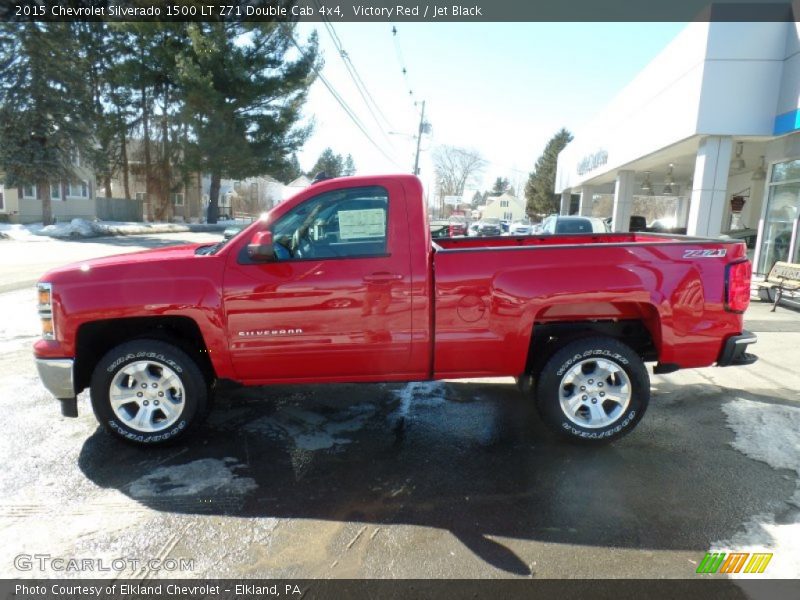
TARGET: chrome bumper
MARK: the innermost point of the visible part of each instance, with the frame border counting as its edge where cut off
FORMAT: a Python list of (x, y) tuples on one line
[(56, 375)]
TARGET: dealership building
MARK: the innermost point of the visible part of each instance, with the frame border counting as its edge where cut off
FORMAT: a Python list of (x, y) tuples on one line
[(706, 137)]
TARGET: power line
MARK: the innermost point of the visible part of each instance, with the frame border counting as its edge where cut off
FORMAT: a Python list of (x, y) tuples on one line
[(401, 60), (339, 99), (369, 101)]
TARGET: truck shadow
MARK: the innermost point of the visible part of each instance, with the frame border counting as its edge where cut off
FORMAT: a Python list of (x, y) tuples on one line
[(472, 459)]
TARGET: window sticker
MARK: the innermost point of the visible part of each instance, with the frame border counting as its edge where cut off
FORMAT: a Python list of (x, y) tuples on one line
[(366, 223)]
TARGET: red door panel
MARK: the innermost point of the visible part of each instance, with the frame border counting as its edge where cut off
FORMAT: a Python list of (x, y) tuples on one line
[(328, 318)]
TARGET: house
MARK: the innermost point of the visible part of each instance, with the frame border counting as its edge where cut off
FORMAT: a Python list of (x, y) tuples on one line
[(69, 199), (250, 196), (294, 187), (184, 194), (505, 207)]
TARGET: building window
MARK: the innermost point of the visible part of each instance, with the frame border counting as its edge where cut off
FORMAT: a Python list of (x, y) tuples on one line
[(503, 203), (29, 192), (75, 157), (778, 238), (508, 216), (177, 199), (55, 191), (78, 189)]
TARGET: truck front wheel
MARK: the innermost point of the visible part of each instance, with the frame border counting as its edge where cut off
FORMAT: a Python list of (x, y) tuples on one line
[(593, 390), (148, 392)]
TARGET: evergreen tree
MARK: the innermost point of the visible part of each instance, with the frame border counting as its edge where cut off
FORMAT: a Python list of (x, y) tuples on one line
[(539, 189), (333, 165), (291, 171), (500, 187), (243, 99), (477, 200), (43, 101), (349, 168)]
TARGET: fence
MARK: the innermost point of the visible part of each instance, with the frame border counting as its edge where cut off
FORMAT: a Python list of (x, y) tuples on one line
[(119, 209)]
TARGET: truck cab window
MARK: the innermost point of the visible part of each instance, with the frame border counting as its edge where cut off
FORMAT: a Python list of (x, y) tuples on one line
[(337, 224)]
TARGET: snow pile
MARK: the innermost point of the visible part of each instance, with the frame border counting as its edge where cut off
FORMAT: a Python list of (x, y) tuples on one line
[(73, 229), (21, 233), (768, 433), (81, 228)]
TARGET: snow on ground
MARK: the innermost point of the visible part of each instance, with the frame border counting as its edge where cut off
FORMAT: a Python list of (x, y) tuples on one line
[(199, 476), (82, 228), (22, 233), (768, 433), (20, 325), (419, 393)]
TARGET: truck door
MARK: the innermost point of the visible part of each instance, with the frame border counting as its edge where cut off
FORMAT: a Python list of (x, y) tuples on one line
[(335, 303)]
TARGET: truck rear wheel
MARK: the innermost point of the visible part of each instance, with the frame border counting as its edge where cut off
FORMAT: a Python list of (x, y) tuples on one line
[(148, 392), (593, 390)]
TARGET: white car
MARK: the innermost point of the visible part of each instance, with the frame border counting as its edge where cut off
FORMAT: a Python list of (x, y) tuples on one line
[(573, 224), (520, 228)]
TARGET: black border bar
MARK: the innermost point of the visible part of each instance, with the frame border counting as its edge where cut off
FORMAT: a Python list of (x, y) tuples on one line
[(707, 588), (376, 11)]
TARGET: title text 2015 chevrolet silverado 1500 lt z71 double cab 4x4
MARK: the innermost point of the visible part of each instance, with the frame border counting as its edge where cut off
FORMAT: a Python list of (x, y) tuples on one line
[(342, 283)]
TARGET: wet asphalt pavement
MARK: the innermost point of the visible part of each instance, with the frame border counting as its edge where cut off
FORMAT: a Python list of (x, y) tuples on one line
[(452, 479)]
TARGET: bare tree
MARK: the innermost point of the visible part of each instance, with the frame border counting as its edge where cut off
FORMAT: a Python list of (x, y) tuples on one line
[(457, 168)]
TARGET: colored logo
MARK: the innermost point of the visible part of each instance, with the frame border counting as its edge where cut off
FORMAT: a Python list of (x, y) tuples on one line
[(734, 562)]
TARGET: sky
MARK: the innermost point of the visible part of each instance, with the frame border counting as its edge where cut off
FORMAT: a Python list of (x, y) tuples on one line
[(502, 89)]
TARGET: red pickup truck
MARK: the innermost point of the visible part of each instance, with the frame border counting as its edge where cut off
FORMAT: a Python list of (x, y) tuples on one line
[(342, 283)]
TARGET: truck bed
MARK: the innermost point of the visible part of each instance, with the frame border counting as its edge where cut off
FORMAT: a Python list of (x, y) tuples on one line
[(490, 293)]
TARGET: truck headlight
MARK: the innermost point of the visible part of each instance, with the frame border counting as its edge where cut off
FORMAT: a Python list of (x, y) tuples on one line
[(45, 306)]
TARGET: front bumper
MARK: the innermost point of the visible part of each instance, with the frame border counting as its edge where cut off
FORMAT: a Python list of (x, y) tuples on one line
[(734, 352), (56, 375)]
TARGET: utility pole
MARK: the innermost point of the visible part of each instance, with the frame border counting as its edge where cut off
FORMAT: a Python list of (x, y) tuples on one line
[(419, 138)]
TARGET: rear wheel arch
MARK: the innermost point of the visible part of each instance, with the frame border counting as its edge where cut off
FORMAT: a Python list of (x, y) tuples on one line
[(641, 333)]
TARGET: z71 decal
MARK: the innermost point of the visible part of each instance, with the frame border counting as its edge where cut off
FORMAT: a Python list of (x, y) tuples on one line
[(718, 253)]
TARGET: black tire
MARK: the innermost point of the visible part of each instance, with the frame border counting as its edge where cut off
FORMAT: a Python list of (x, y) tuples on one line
[(585, 352), (193, 398)]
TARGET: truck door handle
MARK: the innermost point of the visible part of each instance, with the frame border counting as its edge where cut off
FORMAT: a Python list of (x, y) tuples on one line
[(382, 277)]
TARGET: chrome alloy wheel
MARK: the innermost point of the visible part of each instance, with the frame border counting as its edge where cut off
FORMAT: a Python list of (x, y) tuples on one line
[(594, 393), (147, 396)]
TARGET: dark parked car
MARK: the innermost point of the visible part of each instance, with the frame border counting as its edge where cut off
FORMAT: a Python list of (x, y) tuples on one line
[(749, 237)]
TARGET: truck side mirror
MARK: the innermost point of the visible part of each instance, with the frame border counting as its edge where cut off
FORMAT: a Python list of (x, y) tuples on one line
[(260, 247)]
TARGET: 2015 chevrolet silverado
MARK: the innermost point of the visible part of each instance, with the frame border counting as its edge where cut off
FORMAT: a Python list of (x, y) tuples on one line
[(342, 283)]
